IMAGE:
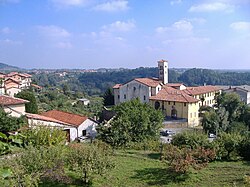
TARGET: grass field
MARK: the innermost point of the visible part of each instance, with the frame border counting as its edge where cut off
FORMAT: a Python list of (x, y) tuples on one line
[(140, 168)]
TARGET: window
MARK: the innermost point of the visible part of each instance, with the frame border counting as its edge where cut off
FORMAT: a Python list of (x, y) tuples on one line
[(173, 113), (84, 133), (157, 105), (125, 96), (118, 96), (134, 89), (144, 97), (169, 102), (185, 104), (174, 102)]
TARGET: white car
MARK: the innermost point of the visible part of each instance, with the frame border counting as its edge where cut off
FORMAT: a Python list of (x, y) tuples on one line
[(211, 135)]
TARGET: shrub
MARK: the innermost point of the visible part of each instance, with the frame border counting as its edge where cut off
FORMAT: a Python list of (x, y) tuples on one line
[(89, 159), (180, 160), (191, 140), (244, 147), (29, 166), (227, 145), (44, 136)]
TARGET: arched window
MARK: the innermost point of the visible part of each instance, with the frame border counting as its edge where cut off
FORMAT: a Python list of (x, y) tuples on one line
[(157, 105), (173, 112)]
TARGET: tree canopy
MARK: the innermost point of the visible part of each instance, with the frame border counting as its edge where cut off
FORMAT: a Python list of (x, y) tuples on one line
[(134, 122), (30, 107), (9, 123)]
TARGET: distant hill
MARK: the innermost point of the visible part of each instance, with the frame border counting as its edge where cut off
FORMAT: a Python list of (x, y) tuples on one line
[(6, 67)]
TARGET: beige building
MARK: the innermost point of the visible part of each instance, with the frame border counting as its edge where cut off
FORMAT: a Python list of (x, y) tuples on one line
[(13, 106), (14, 82), (174, 99)]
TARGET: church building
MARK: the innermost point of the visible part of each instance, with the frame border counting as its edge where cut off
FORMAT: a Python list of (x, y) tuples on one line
[(174, 99)]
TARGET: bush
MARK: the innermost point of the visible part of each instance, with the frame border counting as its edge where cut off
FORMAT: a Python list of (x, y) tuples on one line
[(191, 140), (89, 159), (180, 160), (44, 136), (244, 147), (227, 146), (29, 166)]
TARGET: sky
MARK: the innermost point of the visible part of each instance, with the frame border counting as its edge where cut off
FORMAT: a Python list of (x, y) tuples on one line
[(89, 34)]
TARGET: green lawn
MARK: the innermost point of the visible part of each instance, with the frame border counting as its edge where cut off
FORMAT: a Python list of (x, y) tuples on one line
[(139, 168)]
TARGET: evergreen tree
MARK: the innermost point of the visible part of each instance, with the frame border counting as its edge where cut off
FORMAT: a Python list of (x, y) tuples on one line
[(108, 97), (31, 107)]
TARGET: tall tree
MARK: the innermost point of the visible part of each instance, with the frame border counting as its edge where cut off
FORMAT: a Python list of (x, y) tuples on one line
[(30, 107), (134, 122), (108, 97)]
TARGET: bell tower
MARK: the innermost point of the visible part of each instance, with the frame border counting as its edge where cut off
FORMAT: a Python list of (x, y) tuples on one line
[(163, 71)]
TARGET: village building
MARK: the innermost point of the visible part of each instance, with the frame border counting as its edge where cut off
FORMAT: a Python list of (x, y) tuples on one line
[(76, 126), (13, 106), (174, 99), (243, 91), (14, 82)]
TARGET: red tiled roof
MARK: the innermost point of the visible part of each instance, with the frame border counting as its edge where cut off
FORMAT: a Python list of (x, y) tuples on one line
[(171, 94), (201, 90), (174, 84), (73, 119), (12, 79), (148, 81), (44, 118), (36, 86), (25, 75), (7, 100), (117, 86)]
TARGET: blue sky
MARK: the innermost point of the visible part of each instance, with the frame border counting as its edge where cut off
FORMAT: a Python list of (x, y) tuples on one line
[(125, 33)]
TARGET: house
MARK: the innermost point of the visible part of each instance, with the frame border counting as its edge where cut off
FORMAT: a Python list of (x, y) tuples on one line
[(84, 101), (76, 126), (243, 91), (13, 106), (23, 78), (12, 86), (176, 100), (14, 82)]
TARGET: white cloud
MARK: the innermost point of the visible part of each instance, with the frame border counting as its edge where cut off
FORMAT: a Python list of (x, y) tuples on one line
[(241, 26), (5, 30), (182, 25), (53, 31), (113, 6), (64, 45), (69, 3), (176, 2), (212, 7), (119, 26)]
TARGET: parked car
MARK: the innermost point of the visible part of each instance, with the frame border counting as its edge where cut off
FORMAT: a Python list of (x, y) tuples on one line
[(167, 133), (211, 135), (84, 139)]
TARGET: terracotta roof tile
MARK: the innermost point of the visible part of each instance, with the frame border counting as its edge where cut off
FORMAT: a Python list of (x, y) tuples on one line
[(201, 90), (73, 119), (44, 118), (171, 94), (149, 81), (117, 86), (7, 100)]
